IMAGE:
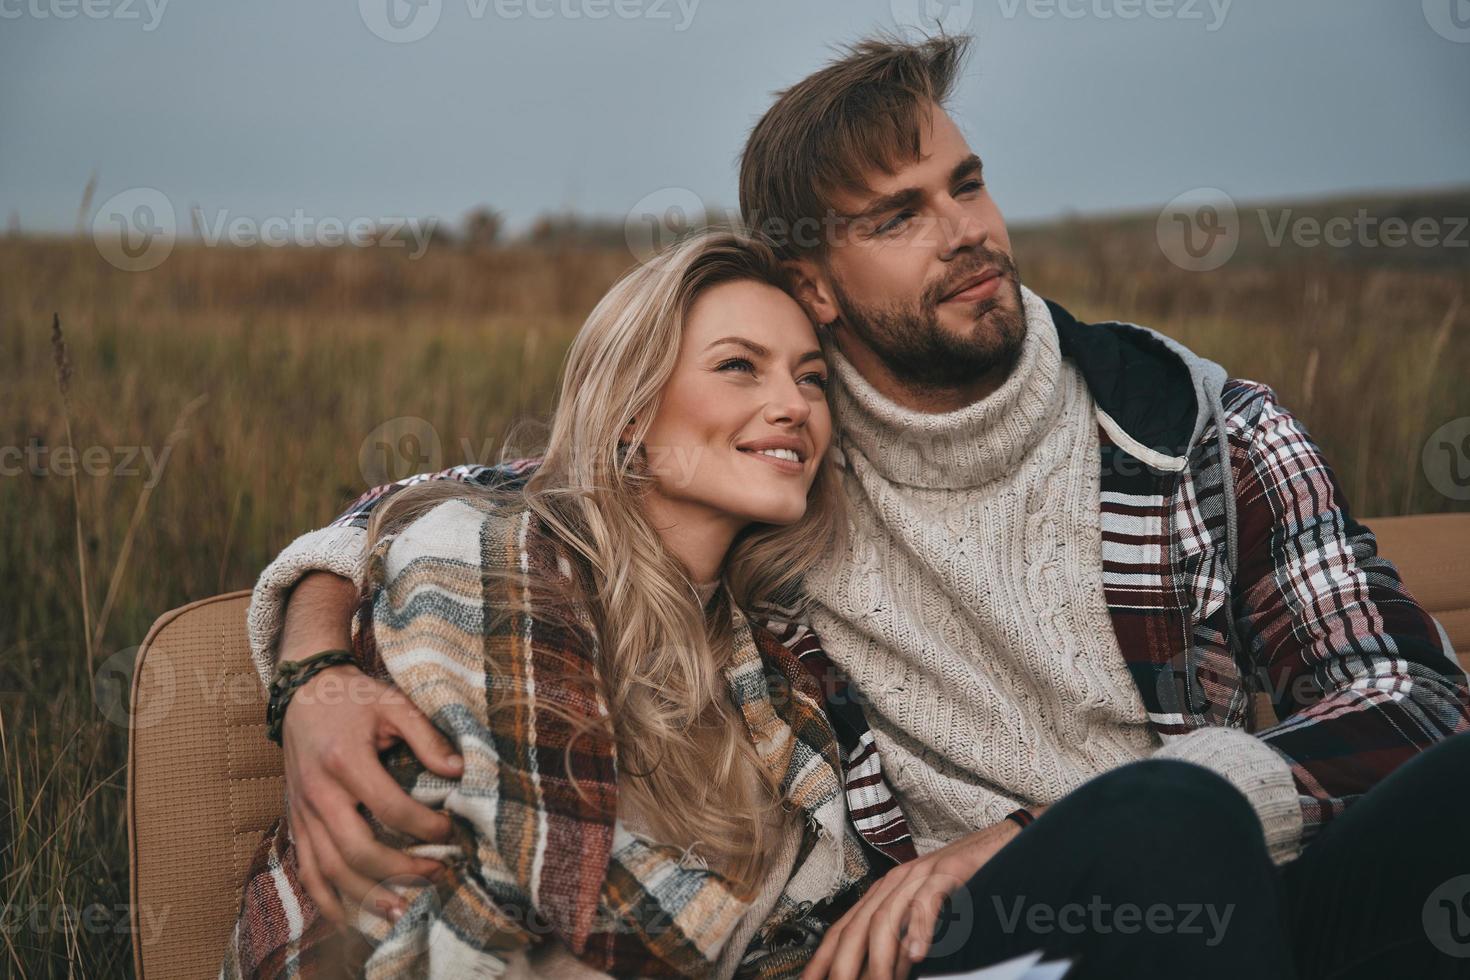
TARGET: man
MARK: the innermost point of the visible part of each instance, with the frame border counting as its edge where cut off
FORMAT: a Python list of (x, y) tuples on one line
[(1076, 550)]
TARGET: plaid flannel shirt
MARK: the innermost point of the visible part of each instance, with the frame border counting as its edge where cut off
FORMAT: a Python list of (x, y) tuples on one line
[(1220, 580)]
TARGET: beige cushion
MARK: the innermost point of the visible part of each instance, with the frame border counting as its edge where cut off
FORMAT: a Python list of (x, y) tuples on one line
[(204, 783)]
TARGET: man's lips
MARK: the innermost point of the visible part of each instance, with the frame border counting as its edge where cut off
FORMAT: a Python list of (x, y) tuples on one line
[(977, 287)]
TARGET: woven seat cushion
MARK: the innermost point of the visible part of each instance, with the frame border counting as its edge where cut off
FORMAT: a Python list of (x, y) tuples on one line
[(203, 784)]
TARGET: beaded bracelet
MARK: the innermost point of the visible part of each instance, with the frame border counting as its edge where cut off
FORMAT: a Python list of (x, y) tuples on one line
[(291, 675), (1021, 818)]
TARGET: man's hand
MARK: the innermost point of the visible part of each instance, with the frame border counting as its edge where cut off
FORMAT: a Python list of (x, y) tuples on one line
[(335, 726), (889, 929)]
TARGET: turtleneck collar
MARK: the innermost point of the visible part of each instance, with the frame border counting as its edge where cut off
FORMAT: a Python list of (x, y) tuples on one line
[(967, 447)]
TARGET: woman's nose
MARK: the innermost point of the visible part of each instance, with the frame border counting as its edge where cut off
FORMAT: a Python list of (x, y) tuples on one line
[(788, 406)]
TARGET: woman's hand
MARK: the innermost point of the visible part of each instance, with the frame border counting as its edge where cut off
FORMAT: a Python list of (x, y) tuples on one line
[(890, 927), (335, 726)]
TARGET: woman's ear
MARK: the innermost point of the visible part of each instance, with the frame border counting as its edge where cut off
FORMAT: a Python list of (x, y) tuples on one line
[(812, 289)]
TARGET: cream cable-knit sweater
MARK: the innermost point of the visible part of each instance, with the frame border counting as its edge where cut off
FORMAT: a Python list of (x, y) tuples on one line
[(967, 603)]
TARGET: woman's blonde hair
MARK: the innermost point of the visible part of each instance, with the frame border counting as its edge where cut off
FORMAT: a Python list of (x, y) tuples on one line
[(685, 759)]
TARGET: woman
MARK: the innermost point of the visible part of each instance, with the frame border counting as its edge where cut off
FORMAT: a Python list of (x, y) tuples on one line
[(650, 785)]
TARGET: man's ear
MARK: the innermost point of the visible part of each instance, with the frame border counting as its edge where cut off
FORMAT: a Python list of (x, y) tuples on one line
[(812, 289)]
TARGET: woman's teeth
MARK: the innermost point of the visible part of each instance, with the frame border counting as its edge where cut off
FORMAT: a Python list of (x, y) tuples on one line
[(786, 454)]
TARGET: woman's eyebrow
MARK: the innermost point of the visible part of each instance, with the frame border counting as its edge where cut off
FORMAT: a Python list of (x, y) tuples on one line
[(761, 351), (749, 345)]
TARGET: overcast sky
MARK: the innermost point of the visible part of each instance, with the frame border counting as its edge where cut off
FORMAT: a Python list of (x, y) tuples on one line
[(342, 109)]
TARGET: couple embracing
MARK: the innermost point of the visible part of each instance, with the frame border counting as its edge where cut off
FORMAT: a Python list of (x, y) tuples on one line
[(950, 616)]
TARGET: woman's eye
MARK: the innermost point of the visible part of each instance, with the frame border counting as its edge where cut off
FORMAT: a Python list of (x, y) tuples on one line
[(737, 364), (817, 380)]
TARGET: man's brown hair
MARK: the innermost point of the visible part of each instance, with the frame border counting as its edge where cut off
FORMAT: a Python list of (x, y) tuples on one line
[(825, 133)]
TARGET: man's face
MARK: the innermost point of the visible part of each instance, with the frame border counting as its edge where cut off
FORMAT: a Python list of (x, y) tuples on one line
[(921, 277)]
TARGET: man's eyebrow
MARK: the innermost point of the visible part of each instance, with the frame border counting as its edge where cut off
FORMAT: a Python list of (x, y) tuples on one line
[(909, 196), (896, 201), (760, 351), (967, 167)]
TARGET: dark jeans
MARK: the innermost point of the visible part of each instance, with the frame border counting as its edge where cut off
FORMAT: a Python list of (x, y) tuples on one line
[(1159, 869)]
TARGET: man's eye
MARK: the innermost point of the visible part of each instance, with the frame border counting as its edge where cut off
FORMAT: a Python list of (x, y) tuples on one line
[(969, 187), (895, 222), (736, 363)]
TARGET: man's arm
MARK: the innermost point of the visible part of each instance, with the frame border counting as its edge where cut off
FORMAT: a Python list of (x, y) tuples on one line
[(318, 616), (1360, 675), (337, 549)]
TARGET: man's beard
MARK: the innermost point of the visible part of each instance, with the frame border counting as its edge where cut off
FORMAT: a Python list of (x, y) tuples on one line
[(921, 353)]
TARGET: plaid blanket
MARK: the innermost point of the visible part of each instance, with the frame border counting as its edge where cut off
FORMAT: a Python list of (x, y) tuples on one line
[(533, 857)]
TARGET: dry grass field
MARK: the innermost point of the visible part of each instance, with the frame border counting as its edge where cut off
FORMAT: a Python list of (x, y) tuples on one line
[(219, 404)]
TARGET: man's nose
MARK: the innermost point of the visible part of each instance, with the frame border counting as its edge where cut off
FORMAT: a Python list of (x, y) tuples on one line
[(960, 228)]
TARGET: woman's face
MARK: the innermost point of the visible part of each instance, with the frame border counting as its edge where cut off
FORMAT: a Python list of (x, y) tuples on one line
[(743, 422)]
